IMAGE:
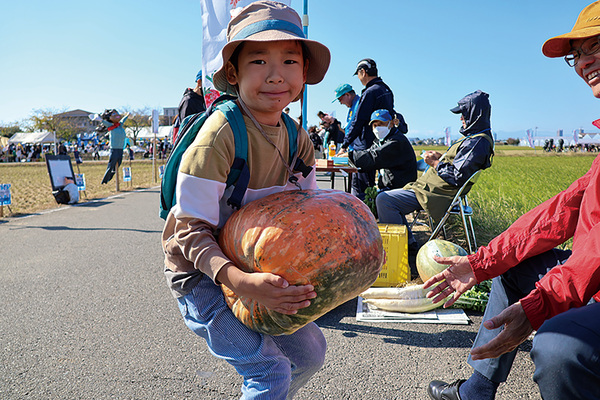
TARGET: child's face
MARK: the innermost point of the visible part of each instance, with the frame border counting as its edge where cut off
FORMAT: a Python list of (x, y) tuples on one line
[(270, 75), (115, 117)]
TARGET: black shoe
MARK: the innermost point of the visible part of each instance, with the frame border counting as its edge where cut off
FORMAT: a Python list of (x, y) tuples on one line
[(439, 390)]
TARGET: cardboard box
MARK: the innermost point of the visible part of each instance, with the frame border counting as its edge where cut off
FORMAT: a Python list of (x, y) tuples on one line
[(324, 163), (395, 269)]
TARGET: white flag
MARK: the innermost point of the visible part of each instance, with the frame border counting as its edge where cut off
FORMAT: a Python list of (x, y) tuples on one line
[(215, 17)]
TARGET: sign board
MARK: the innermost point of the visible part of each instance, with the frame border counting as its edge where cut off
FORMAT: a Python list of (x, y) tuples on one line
[(59, 168), (154, 121), (126, 174), (5, 194), (80, 182)]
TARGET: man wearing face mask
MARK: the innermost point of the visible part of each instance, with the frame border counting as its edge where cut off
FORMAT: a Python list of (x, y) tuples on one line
[(391, 153), (436, 188)]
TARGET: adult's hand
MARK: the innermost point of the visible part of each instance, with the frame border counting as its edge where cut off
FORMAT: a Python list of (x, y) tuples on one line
[(455, 280), (517, 328), (432, 158)]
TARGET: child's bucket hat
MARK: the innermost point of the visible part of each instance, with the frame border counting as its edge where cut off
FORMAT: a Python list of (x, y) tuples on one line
[(587, 25), (265, 21)]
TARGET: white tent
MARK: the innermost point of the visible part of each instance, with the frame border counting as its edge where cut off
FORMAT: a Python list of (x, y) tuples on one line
[(33, 137), (146, 133)]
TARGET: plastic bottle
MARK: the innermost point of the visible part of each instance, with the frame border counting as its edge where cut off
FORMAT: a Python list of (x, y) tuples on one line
[(331, 150)]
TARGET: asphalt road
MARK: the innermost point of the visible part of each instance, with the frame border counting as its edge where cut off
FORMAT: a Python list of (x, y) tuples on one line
[(86, 314)]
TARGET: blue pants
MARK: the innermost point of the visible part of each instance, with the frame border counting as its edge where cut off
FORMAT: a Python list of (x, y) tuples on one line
[(393, 205), (116, 155), (273, 367), (566, 348)]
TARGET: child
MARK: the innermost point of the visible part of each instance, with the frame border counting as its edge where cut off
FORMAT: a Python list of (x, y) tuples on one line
[(266, 63)]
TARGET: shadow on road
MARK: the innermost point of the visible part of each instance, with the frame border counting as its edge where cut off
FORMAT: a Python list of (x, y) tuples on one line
[(68, 228)]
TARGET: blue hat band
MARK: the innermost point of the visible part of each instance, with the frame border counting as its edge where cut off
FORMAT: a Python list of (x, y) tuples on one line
[(271, 24)]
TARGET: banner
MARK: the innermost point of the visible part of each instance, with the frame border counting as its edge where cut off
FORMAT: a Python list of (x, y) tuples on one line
[(576, 136), (126, 174), (215, 17), (5, 194), (447, 132), (530, 138), (80, 182)]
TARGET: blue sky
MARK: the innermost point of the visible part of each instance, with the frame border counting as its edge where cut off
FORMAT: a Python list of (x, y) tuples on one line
[(68, 54)]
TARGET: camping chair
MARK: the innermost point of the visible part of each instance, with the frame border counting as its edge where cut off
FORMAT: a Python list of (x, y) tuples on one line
[(459, 206)]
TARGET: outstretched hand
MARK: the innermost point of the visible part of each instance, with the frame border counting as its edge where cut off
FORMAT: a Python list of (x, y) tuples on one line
[(275, 293), (454, 280), (517, 328)]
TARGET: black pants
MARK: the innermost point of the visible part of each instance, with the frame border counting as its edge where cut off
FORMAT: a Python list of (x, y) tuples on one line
[(361, 181), (116, 156)]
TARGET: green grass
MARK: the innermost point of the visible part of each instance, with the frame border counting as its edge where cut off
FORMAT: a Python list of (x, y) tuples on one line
[(31, 190), (516, 184)]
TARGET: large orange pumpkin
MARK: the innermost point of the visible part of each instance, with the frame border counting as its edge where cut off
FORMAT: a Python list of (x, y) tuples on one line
[(325, 238)]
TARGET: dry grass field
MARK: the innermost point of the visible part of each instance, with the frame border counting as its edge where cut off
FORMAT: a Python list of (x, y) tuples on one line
[(31, 190)]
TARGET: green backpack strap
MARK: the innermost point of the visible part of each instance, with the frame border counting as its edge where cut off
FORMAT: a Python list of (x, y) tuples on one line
[(299, 164), (240, 172)]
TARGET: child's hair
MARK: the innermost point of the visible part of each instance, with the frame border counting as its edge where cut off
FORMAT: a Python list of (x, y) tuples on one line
[(107, 113)]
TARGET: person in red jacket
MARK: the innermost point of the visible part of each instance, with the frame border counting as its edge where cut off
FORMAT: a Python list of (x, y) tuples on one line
[(536, 286)]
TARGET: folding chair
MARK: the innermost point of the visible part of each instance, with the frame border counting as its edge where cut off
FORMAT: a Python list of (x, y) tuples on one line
[(459, 206)]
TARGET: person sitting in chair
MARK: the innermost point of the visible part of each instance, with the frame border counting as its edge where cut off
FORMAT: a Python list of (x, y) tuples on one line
[(436, 188)]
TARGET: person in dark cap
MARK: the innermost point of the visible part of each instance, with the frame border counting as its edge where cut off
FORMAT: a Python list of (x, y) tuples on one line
[(434, 190), (191, 103), (376, 96), (535, 285)]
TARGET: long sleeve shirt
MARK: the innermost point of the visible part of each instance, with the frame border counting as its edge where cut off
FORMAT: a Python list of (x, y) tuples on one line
[(574, 213)]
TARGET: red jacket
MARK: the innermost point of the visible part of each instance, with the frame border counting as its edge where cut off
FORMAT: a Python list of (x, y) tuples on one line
[(575, 213)]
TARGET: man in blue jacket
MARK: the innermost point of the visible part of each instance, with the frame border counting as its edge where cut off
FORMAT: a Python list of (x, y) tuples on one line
[(376, 95)]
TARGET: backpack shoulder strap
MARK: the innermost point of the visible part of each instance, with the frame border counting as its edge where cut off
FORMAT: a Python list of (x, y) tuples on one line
[(293, 138), (239, 173)]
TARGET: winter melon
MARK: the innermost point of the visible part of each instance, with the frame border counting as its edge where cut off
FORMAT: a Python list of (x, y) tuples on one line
[(426, 266)]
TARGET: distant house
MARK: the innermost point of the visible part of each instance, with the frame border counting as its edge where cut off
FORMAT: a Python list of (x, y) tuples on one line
[(78, 119)]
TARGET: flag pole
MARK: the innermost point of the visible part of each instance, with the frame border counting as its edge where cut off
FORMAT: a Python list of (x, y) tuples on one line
[(305, 100)]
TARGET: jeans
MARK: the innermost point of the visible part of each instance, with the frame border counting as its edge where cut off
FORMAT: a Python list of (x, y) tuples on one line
[(566, 348), (566, 354), (273, 367), (116, 155), (393, 205)]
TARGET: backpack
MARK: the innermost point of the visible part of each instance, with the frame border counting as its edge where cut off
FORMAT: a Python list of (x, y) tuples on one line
[(239, 173)]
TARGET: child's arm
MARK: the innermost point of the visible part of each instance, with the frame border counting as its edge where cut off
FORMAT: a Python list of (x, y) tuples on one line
[(270, 290)]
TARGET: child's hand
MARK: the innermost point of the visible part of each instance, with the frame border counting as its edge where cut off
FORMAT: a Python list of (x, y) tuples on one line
[(275, 293)]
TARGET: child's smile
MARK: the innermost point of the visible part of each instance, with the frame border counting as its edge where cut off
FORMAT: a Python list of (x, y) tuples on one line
[(269, 76)]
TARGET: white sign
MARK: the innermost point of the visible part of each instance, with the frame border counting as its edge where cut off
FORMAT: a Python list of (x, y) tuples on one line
[(126, 174), (5, 194), (154, 121), (80, 182)]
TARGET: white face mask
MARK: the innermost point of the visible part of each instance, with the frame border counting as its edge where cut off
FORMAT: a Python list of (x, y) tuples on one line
[(381, 131)]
